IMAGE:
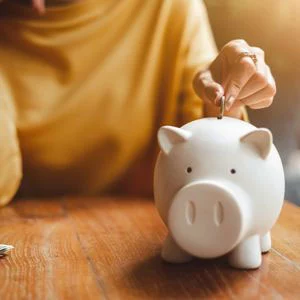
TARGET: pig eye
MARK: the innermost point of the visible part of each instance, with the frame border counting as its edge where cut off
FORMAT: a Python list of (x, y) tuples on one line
[(232, 171), (189, 170)]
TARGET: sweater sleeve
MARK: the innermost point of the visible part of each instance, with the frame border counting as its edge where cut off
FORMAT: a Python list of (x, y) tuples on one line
[(10, 157)]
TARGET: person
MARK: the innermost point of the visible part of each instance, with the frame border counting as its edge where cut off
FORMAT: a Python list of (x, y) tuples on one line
[(85, 85)]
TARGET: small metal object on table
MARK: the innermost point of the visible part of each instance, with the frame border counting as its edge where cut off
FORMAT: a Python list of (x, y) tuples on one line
[(4, 249)]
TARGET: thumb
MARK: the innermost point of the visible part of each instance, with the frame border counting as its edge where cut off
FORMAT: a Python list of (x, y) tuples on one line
[(207, 89)]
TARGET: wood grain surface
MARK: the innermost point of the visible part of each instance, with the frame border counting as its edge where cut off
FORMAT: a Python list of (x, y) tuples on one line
[(108, 248)]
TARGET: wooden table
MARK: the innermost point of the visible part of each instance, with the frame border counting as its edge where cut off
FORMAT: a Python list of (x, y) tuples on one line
[(108, 248)]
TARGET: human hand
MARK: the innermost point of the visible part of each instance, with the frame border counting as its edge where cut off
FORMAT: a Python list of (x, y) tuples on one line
[(238, 77)]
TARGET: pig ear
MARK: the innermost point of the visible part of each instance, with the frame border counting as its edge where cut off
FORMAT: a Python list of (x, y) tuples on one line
[(260, 139), (169, 136)]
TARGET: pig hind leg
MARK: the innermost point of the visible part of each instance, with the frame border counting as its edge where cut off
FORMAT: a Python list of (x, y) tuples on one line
[(172, 253), (265, 242)]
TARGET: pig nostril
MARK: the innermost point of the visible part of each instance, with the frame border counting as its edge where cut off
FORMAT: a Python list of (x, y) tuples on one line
[(190, 212), (218, 213)]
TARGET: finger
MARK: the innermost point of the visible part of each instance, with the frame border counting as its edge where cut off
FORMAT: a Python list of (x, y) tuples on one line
[(226, 58), (268, 91), (39, 6), (260, 79), (239, 75), (231, 53), (237, 104), (206, 88), (256, 83), (259, 52), (262, 104), (233, 49)]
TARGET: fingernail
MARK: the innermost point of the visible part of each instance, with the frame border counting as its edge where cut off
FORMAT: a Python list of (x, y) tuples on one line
[(218, 98), (229, 102)]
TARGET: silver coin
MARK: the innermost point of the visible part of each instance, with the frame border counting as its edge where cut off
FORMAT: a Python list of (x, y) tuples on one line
[(222, 108)]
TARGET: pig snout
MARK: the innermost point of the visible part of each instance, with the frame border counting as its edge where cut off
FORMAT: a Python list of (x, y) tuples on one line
[(207, 219)]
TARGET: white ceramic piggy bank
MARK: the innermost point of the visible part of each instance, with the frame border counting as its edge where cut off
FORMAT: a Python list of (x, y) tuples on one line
[(219, 187)]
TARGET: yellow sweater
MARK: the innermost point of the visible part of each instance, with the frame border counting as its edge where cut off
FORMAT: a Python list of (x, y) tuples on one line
[(85, 87)]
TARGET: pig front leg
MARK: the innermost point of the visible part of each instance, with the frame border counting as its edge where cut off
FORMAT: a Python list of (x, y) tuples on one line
[(265, 242), (172, 253), (246, 255)]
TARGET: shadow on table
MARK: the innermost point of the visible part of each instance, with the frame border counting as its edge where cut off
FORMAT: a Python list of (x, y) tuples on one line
[(199, 278)]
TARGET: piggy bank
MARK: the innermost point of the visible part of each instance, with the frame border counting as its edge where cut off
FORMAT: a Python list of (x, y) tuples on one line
[(219, 188)]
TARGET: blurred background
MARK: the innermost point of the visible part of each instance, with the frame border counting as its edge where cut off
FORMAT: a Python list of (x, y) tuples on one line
[(272, 25)]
